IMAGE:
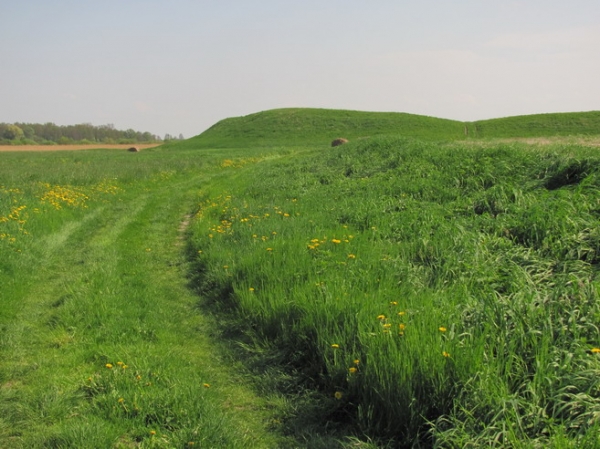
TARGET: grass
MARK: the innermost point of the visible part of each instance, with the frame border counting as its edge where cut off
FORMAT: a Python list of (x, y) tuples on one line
[(391, 292)]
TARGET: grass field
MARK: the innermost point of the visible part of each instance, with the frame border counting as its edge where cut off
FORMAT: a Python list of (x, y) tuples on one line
[(391, 292), (72, 147)]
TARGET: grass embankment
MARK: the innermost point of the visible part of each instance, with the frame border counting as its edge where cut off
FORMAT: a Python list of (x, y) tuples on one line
[(305, 126), (101, 342), (440, 295), (538, 125)]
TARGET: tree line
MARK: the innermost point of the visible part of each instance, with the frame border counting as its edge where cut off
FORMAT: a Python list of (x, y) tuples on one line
[(51, 134)]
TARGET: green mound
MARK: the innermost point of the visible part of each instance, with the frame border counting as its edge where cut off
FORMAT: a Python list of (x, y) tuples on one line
[(306, 126), (298, 126), (538, 125)]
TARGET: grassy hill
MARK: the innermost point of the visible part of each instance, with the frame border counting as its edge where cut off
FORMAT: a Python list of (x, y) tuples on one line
[(300, 126), (309, 126), (538, 125)]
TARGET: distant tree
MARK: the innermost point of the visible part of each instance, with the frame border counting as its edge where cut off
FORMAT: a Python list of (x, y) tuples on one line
[(29, 132), (13, 132), (181, 136), (168, 137)]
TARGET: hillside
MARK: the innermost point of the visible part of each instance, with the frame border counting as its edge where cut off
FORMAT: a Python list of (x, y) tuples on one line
[(301, 126), (538, 125)]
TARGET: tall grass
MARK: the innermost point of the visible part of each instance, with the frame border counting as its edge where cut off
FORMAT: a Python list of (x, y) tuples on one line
[(440, 296)]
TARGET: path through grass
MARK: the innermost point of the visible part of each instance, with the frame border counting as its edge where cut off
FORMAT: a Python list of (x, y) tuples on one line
[(102, 342)]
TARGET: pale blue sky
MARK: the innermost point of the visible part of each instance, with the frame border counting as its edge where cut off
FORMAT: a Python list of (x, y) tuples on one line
[(179, 66)]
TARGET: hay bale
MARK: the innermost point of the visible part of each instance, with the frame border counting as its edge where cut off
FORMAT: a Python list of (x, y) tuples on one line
[(133, 149), (339, 141)]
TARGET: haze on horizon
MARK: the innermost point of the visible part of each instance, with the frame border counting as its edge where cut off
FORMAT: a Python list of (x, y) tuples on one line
[(180, 66)]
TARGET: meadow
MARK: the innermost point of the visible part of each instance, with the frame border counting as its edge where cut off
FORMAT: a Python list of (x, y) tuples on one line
[(396, 291)]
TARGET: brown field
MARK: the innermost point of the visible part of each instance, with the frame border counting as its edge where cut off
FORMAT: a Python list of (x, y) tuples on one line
[(141, 146)]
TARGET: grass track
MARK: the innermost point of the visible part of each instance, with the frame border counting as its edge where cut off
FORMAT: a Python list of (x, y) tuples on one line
[(111, 288)]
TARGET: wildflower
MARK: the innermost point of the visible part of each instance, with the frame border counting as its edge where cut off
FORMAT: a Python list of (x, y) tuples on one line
[(335, 346), (121, 400), (269, 249), (352, 369), (401, 313), (387, 325), (286, 215), (120, 363), (351, 256), (109, 365), (402, 326), (356, 361), (336, 241), (442, 329), (338, 395), (138, 377), (153, 432), (251, 289), (393, 303), (225, 266), (381, 317), (124, 366), (595, 350), (445, 354), (274, 233), (206, 385)]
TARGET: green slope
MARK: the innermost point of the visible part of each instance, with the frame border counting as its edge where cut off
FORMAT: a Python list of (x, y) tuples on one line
[(309, 126), (301, 126), (538, 125)]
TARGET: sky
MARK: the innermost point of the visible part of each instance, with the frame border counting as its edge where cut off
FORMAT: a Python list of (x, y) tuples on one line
[(179, 66)]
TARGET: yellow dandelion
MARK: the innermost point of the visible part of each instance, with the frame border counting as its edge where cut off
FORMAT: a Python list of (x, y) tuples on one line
[(335, 346), (402, 326), (442, 329), (120, 363), (387, 325), (445, 354), (251, 289), (351, 256), (206, 385), (338, 395), (269, 249), (352, 369), (381, 317), (393, 303), (595, 350), (336, 241), (153, 432), (121, 400), (109, 365), (401, 313), (356, 361)]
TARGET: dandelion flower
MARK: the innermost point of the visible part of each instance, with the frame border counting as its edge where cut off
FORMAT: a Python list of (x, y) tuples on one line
[(445, 354), (269, 249), (352, 369), (595, 350), (356, 361), (335, 346), (393, 303), (121, 400), (351, 256), (109, 365), (402, 326), (153, 432), (401, 313), (442, 329), (338, 395), (336, 241), (206, 385), (381, 317), (251, 289)]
